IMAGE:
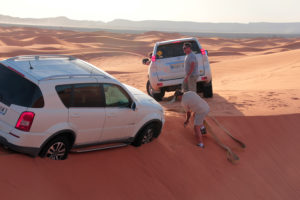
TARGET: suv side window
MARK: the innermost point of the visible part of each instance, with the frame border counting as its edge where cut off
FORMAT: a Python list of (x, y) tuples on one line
[(86, 95), (115, 96), (37, 99), (65, 94), (15, 89), (174, 49)]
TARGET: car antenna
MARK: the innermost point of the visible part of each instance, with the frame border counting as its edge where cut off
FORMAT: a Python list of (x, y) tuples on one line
[(30, 65)]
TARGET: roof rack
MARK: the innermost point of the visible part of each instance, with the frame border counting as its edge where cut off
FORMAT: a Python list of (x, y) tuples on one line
[(72, 76), (38, 57)]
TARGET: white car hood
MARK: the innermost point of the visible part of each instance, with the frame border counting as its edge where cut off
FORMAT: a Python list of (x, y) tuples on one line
[(142, 97)]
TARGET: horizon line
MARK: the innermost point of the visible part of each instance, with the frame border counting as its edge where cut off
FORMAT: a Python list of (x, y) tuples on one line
[(164, 20)]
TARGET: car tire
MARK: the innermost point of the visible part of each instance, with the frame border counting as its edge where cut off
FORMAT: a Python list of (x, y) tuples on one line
[(156, 96), (199, 87), (57, 149), (145, 136), (207, 90)]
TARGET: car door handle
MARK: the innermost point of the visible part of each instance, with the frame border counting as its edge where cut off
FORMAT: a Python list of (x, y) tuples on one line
[(75, 115)]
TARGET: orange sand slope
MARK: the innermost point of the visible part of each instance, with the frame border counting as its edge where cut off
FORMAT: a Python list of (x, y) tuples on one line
[(251, 77), (258, 76), (171, 167)]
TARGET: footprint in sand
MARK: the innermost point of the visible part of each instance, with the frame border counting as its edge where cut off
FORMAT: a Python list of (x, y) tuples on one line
[(271, 94)]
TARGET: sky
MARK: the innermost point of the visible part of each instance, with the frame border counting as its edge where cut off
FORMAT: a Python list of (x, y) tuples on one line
[(242, 11)]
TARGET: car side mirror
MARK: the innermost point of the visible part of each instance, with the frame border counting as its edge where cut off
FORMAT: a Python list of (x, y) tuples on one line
[(206, 52), (133, 106)]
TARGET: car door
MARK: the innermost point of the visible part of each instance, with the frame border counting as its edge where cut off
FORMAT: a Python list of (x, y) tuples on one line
[(120, 118), (86, 110)]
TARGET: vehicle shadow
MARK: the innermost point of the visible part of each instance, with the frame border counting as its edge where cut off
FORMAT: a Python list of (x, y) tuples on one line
[(219, 106), (4, 151)]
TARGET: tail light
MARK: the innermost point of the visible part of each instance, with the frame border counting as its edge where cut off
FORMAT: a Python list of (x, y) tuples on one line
[(203, 52), (153, 58), (25, 121), (204, 78)]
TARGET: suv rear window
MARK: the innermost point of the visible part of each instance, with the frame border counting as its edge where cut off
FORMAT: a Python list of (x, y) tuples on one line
[(175, 49), (15, 89)]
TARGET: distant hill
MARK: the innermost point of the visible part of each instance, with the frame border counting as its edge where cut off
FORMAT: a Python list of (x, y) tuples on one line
[(157, 25), (55, 21)]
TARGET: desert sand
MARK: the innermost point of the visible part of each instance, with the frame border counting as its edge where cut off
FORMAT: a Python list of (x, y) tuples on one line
[(256, 97)]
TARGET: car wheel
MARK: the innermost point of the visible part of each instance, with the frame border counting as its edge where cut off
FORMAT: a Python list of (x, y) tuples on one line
[(57, 149), (199, 87), (145, 136), (207, 90), (156, 96)]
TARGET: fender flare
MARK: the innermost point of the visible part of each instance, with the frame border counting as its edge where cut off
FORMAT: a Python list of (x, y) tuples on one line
[(150, 122), (57, 134)]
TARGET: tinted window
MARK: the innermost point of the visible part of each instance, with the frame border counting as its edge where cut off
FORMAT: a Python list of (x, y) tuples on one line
[(115, 96), (174, 50), (64, 92), (81, 95), (87, 95), (37, 99), (15, 89)]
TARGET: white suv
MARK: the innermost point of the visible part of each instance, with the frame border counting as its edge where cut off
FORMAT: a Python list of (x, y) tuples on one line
[(166, 70), (51, 104)]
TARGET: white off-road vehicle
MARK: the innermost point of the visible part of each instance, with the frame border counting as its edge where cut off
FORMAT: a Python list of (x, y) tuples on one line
[(51, 104), (166, 68)]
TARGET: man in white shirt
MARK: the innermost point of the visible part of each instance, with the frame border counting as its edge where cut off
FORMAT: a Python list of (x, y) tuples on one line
[(193, 103), (190, 68)]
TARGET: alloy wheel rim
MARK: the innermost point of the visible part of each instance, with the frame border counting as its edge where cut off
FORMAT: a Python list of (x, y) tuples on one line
[(57, 151), (147, 136)]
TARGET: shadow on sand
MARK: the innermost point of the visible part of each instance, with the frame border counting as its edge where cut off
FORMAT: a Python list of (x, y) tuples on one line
[(219, 106)]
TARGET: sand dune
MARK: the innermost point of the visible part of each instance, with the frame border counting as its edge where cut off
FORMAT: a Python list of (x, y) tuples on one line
[(171, 167), (256, 97)]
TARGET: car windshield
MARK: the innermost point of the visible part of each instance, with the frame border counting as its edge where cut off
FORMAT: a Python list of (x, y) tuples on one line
[(174, 49)]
